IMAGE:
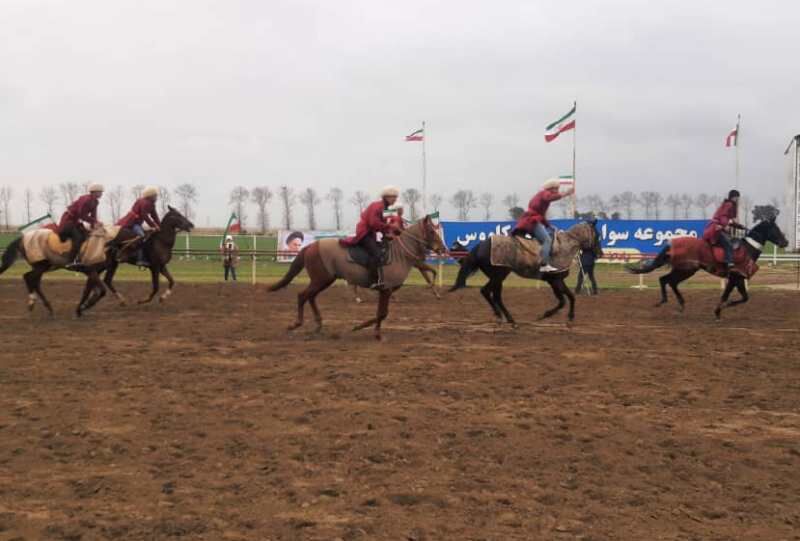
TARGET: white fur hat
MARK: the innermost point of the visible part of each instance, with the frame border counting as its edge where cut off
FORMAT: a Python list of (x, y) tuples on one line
[(389, 191), (150, 191), (95, 187), (551, 183)]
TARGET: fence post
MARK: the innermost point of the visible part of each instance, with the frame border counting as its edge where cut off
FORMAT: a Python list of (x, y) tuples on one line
[(187, 245), (774, 255), (254, 259), (441, 271)]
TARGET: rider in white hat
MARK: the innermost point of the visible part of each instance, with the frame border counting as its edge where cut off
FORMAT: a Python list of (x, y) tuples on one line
[(82, 210), (372, 222), (142, 211), (534, 220)]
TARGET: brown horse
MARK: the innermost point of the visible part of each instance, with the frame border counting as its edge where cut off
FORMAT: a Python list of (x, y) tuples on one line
[(157, 249), (327, 260), (687, 255), (427, 272)]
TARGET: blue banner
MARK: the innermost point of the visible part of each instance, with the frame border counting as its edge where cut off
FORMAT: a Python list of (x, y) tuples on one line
[(644, 236)]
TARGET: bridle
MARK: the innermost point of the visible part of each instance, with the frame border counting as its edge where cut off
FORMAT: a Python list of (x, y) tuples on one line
[(419, 242)]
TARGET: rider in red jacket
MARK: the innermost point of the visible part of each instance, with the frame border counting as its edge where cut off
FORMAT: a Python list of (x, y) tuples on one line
[(371, 223), (83, 209), (143, 211), (534, 220), (718, 229)]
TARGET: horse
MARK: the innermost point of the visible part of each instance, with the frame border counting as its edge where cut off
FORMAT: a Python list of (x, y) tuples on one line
[(157, 247), (523, 259), (326, 260), (45, 252), (427, 272), (687, 255)]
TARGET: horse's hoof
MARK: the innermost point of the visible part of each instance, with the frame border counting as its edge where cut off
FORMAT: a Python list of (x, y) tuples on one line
[(358, 300), (514, 325), (571, 318), (293, 326), (378, 337)]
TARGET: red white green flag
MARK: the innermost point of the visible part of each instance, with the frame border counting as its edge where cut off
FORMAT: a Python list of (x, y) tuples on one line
[(733, 136), (565, 123), (418, 135)]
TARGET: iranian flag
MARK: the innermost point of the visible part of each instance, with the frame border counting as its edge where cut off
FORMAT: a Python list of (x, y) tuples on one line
[(233, 226), (566, 180), (733, 136), (418, 135), (565, 123)]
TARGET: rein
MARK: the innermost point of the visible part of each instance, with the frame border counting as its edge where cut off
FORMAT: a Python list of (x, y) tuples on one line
[(414, 256)]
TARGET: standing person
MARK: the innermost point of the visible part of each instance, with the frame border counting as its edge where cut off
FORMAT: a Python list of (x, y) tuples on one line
[(718, 230), (371, 224), (587, 258), (534, 220), (142, 211), (82, 210), (230, 257)]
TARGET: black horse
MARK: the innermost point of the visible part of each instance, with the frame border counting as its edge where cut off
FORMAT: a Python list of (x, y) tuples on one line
[(157, 248), (582, 236), (688, 255)]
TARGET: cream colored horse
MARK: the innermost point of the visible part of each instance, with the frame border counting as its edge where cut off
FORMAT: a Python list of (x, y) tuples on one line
[(327, 260)]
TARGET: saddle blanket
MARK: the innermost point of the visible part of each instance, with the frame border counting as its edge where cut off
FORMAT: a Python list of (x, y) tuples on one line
[(44, 244)]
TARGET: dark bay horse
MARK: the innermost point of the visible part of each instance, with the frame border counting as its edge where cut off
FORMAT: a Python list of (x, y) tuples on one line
[(157, 248), (688, 255), (583, 236), (327, 260)]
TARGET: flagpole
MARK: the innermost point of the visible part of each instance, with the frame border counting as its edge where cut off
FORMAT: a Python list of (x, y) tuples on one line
[(574, 144), (424, 173), (738, 129)]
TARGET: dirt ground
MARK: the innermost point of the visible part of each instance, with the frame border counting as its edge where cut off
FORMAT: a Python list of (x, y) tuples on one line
[(204, 419)]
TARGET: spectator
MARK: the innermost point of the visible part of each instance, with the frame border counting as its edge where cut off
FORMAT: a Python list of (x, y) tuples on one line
[(587, 258), (230, 257)]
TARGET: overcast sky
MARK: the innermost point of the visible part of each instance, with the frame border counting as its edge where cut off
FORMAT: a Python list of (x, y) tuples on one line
[(321, 93)]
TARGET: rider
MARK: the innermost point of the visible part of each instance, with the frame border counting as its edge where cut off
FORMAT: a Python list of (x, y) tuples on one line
[(718, 229), (83, 209), (534, 220), (143, 211), (371, 223)]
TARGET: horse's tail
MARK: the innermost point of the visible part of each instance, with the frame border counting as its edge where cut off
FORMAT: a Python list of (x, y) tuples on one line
[(649, 266), (469, 266), (295, 269), (10, 255)]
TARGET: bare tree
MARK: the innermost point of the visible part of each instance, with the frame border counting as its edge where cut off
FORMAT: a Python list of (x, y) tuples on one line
[(360, 200), (412, 197), (136, 191), (436, 201), (6, 194), (261, 196), (486, 201), (625, 201), (28, 204), (463, 201), (686, 204), (673, 201), (115, 197), (164, 199), (48, 196), (288, 201), (238, 200), (651, 201), (69, 192), (594, 204), (310, 199), (335, 197), (703, 201), (511, 200), (187, 198)]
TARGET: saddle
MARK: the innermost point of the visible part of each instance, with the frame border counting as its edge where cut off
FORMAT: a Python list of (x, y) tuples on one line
[(126, 249), (739, 253), (358, 255)]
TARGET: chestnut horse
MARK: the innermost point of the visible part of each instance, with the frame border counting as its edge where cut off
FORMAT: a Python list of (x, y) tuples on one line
[(687, 255), (327, 260)]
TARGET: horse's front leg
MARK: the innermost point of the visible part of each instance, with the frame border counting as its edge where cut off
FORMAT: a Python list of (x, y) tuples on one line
[(554, 285), (88, 288), (171, 282), (108, 280), (734, 281), (383, 310), (430, 274), (154, 273)]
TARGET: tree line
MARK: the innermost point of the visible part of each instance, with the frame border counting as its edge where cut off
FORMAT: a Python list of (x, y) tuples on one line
[(467, 204)]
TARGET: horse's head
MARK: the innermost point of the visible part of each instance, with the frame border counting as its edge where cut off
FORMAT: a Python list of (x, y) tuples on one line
[(768, 231), (178, 220), (431, 235)]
